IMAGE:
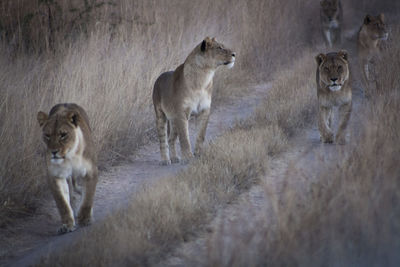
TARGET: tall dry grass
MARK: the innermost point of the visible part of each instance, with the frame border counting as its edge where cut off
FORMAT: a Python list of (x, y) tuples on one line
[(350, 214), (172, 210), (110, 69)]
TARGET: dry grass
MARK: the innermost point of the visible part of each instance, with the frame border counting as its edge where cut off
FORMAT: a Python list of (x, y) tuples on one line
[(349, 215), (101, 72), (110, 72), (170, 211)]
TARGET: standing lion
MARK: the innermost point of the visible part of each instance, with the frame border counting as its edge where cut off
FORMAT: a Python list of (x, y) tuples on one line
[(187, 90), (372, 33), (331, 15)]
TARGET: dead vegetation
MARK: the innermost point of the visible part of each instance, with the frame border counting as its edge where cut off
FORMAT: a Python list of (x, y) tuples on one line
[(164, 214), (350, 215), (111, 72), (100, 70)]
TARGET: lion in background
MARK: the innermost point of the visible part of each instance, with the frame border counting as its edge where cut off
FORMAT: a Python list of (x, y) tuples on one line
[(177, 94), (372, 33), (331, 15), (333, 89), (70, 156)]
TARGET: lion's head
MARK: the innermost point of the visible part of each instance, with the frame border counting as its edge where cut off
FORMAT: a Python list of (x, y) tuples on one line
[(333, 69), (213, 54), (376, 27), (330, 8), (59, 134)]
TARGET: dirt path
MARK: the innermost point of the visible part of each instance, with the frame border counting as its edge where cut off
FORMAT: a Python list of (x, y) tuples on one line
[(36, 235), (298, 167)]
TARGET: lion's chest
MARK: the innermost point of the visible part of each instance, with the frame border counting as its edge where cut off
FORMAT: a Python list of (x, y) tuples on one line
[(76, 167), (197, 101), (337, 98)]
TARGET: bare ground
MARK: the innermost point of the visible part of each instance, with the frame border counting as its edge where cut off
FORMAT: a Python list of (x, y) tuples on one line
[(35, 236)]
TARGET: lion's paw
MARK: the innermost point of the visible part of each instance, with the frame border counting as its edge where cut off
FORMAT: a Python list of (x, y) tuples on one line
[(165, 162), (66, 229)]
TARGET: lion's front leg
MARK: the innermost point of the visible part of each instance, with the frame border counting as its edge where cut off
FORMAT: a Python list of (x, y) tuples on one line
[(60, 190), (203, 122), (323, 124), (86, 209), (182, 126), (344, 115)]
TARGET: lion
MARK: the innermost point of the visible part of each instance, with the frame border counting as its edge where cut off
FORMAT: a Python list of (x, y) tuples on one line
[(372, 33), (333, 90), (186, 90), (331, 14), (70, 159)]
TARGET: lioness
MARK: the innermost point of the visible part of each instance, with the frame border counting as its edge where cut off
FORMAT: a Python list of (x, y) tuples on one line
[(70, 156), (187, 90), (372, 33), (331, 15), (333, 90)]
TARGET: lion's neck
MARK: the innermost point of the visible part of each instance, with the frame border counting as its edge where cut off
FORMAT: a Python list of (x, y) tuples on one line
[(366, 41), (197, 77)]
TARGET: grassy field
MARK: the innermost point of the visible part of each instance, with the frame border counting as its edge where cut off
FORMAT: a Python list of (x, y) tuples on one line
[(170, 211), (107, 62), (110, 70), (350, 216)]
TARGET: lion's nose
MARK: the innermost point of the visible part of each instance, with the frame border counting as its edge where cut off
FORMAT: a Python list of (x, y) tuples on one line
[(54, 152), (334, 79)]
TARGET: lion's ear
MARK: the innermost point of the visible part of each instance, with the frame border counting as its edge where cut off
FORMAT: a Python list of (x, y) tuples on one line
[(343, 54), (367, 19), (382, 17), (73, 118), (320, 58), (206, 44), (42, 118)]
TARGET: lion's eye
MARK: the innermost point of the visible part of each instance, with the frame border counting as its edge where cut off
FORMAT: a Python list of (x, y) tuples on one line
[(326, 69), (63, 136), (46, 136), (340, 68)]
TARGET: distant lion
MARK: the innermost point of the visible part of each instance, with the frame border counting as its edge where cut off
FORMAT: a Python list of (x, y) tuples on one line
[(372, 33), (70, 156), (333, 90), (187, 90), (331, 15)]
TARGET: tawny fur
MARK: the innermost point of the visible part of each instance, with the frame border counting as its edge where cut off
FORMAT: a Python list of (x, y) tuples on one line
[(70, 156), (372, 33), (177, 94), (333, 89), (331, 15)]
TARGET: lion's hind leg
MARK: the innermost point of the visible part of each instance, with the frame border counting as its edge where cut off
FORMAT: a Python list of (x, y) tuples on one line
[(173, 136), (161, 121)]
